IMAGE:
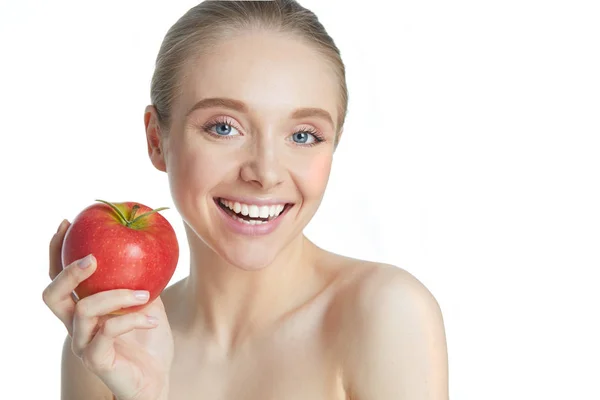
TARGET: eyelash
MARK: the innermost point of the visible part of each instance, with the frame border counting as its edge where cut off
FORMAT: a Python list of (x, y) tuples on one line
[(226, 121)]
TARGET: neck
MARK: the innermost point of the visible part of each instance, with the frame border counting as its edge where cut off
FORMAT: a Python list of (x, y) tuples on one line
[(226, 305)]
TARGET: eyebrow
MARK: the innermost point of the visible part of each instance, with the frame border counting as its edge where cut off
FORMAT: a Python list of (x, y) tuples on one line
[(239, 106)]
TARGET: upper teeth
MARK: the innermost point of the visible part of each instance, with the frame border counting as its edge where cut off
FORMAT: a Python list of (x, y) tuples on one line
[(253, 211)]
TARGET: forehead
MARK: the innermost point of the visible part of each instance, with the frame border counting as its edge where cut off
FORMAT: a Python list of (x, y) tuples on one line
[(271, 73)]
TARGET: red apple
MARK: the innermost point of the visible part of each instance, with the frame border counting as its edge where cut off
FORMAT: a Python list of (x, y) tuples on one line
[(135, 248)]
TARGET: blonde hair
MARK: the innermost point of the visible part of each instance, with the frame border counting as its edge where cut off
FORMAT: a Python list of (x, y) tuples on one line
[(210, 21)]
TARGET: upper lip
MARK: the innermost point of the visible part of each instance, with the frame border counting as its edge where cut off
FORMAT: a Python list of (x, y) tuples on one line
[(255, 200)]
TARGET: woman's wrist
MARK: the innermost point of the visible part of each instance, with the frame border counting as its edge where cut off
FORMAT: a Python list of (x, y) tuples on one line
[(164, 394)]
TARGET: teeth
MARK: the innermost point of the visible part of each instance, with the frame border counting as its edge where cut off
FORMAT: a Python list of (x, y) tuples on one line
[(251, 222), (253, 211), (263, 212)]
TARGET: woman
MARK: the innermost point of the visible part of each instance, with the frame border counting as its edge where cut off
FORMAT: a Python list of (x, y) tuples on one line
[(248, 105)]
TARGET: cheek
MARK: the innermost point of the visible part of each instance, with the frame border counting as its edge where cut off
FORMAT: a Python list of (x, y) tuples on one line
[(315, 174), (192, 172)]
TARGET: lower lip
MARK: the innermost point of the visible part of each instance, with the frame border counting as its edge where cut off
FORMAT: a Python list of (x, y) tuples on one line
[(251, 230)]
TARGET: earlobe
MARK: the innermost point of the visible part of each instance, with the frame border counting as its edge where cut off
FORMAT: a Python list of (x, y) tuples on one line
[(153, 139)]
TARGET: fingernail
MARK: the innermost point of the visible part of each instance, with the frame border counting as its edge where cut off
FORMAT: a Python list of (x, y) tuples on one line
[(85, 262), (152, 320), (141, 294)]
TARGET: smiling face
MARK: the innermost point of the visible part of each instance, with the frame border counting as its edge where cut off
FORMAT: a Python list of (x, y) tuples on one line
[(253, 132)]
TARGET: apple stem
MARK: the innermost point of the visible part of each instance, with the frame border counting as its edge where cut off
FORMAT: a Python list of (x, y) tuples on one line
[(119, 213), (124, 219), (133, 211), (148, 213)]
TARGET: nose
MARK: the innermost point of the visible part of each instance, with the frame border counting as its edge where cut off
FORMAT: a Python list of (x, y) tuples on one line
[(263, 168)]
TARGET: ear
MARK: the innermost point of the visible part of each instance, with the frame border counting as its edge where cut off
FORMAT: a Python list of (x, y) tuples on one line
[(153, 138)]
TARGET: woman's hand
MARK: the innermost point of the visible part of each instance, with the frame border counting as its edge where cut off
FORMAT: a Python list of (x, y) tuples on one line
[(130, 353)]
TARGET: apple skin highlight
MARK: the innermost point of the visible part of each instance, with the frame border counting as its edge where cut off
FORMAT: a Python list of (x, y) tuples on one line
[(142, 256)]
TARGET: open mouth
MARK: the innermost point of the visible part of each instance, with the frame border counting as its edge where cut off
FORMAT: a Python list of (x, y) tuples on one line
[(252, 214)]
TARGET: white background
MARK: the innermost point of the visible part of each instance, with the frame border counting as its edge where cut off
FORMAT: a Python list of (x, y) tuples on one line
[(471, 158)]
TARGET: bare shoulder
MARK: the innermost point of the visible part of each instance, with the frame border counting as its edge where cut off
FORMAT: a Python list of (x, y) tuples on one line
[(392, 342), (365, 284), (379, 284)]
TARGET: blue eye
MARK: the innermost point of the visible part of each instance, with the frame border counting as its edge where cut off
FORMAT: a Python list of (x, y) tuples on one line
[(302, 137), (223, 129), (308, 137)]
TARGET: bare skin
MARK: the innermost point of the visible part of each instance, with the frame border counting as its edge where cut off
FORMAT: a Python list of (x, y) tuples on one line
[(259, 317), (307, 353), (298, 356)]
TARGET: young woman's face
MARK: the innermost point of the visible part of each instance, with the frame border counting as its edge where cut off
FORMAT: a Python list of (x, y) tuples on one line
[(253, 131)]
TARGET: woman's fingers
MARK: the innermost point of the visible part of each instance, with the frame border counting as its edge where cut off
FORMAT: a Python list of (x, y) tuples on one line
[(56, 248), (89, 310), (119, 325), (57, 294), (100, 353)]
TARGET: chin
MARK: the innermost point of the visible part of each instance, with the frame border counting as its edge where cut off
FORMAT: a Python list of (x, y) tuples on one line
[(249, 257)]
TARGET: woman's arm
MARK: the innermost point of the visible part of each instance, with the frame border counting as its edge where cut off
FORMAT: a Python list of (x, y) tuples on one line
[(77, 383), (396, 347)]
